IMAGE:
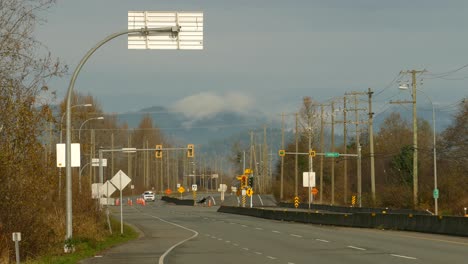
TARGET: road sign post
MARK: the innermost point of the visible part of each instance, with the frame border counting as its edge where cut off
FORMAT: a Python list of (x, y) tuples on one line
[(17, 239)]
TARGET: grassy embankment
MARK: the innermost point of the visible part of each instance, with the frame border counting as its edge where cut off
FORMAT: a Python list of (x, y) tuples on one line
[(86, 247)]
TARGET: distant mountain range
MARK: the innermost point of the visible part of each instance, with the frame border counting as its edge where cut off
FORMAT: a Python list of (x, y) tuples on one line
[(217, 133)]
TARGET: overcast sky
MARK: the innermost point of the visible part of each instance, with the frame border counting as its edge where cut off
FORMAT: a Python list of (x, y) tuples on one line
[(265, 55)]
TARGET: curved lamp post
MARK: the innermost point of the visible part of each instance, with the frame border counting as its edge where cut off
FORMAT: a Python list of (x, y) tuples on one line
[(94, 118)]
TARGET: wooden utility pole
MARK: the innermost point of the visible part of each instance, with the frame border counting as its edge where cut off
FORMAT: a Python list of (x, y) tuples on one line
[(415, 132), (333, 150), (358, 148), (322, 149), (282, 157), (265, 161), (371, 146), (296, 161), (345, 162)]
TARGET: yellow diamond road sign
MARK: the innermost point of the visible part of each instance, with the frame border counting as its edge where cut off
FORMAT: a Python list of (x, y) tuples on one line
[(249, 192), (181, 189)]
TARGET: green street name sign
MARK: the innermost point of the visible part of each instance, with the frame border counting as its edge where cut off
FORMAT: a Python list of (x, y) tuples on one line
[(436, 194), (332, 154)]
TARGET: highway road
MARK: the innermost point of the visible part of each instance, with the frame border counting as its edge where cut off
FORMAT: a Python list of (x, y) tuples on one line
[(185, 234)]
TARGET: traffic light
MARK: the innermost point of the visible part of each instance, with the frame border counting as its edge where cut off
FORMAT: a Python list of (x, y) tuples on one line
[(243, 181), (158, 152), (251, 181), (312, 153), (190, 151), (281, 153)]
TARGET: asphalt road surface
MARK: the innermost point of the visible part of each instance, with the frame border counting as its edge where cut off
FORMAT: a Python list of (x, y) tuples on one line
[(195, 235)]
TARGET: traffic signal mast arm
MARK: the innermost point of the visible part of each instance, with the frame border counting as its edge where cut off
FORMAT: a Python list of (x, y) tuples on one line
[(322, 154)]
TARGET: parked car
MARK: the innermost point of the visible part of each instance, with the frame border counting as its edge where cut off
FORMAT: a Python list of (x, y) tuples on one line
[(149, 196)]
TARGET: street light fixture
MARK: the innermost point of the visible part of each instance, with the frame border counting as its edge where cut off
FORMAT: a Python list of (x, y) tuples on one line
[(94, 118)]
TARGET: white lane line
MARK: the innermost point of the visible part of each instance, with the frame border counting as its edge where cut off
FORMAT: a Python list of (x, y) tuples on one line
[(195, 234), (207, 235), (270, 257), (291, 263), (98, 256), (227, 241), (236, 244), (231, 223), (205, 218), (400, 256), (245, 248), (259, 228), (258, 253), (220, 239), (294, 235), (274, 231), (243, 225), (322, 240), (358, 248)]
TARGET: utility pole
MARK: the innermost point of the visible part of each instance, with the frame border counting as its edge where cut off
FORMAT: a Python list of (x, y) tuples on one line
[(265, 160), (296, 161), (282, 157), (358, 145), (371, 145), (415, 132), (322, 150), (333, 150), (345, 163)]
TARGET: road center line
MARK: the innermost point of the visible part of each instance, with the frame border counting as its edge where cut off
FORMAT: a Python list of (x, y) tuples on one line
[(195, 234), (294, 235), (358, 248), (400, 256), (322, 240)]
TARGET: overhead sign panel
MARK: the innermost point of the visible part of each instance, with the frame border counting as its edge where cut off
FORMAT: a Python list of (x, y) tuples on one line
[(190, 36)]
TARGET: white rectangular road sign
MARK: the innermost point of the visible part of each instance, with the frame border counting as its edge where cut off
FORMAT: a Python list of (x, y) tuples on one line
[(107, 189), (16, 236), (120, 180), (190, 36), (308, 181), (75, 155), (95, 162), (194, 187), (222, 187), (95, 187)]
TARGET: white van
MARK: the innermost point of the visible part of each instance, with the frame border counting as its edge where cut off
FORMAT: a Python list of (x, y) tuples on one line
[(149, 196)]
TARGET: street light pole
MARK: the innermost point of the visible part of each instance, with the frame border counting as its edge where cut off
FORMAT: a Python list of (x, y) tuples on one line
[(61, 125), (436, 191), (142, 31)]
